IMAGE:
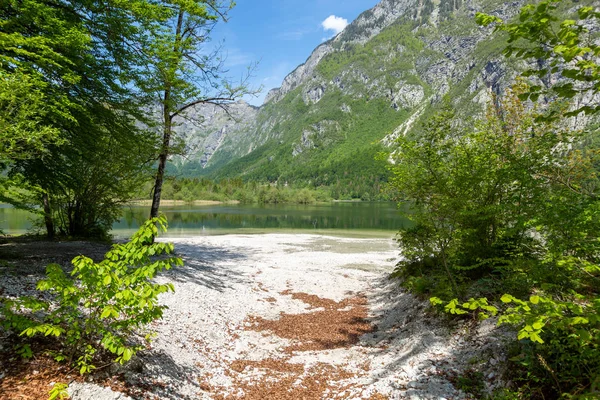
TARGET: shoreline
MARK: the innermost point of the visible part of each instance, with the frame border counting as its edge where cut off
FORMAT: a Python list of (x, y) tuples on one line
[(171, 203)]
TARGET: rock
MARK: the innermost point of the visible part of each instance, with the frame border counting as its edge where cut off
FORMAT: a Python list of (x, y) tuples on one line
[(407, 96), (314, 95), (89, 391)]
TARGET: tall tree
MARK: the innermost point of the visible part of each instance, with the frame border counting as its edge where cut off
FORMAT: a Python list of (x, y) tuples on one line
[(84, 181), (182, 75), (67, 73)]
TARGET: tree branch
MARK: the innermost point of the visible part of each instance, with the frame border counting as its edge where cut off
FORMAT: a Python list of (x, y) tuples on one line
[(210, 100)]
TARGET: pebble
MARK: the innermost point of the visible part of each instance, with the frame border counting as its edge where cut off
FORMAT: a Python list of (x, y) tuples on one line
[(213, 305)]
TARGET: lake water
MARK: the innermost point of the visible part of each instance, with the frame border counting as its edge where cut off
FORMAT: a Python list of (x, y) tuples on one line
[(340, 218)]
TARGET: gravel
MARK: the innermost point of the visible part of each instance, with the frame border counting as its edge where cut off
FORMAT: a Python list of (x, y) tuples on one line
[(227, 280)]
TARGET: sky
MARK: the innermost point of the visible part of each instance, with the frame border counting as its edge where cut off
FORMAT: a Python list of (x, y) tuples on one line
[(279, 35)]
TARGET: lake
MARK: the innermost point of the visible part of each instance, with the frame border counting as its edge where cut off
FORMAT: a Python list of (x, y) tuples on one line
[(360, 219)]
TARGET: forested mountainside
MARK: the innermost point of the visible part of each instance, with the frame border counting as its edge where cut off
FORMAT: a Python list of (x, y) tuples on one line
[(356, 92)]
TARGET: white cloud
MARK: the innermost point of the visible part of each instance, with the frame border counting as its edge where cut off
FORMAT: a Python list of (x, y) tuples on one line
[(335, 24), (234, 57)]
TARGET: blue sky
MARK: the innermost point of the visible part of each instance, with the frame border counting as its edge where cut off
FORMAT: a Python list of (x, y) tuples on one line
[(280, 35)]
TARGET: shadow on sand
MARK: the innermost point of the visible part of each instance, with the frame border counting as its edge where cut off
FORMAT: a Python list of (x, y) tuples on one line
[(159, 363), (208, 265), (424, 354)]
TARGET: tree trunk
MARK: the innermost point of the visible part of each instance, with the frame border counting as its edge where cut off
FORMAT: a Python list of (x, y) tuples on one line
[(162, 162), (48, 216), (168, 126)]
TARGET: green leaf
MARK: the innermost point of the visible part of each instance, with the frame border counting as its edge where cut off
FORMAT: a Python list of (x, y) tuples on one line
[(506, 298), (127, 354), (107, 312), (538, 325), (536, 338), (435, 301), (579, 320)]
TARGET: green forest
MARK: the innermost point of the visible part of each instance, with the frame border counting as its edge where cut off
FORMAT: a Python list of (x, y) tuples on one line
[(505, 206)]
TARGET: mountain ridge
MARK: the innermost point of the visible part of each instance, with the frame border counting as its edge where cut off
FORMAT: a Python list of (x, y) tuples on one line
[(375, 80)]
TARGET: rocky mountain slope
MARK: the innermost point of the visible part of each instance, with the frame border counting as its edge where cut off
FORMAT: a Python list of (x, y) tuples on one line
[(375, 80), (203, 129)]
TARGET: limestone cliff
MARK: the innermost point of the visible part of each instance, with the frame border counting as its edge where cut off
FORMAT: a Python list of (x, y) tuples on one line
[(372, 82)]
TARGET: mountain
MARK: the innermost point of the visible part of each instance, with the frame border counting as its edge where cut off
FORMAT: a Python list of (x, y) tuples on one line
[(377, 79), (203, 129)]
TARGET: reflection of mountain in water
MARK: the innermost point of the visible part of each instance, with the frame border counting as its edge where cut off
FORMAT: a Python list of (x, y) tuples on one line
[(345, 216)]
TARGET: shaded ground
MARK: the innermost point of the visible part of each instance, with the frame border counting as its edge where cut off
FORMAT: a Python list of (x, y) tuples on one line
[(31, 254), (23, 262)]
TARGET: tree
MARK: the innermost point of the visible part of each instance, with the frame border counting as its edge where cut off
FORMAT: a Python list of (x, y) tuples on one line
[(181, 76), (56, 66), (83, 182), (509, 206), (37, 42), (23, 109), (477, 194), (68, 74), (568, 48), (512, 207)]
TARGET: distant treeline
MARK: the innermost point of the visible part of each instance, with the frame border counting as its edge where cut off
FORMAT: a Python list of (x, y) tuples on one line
[(236, 189)]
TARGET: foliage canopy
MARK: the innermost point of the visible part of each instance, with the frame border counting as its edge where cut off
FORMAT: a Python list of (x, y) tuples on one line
[(556, 46)]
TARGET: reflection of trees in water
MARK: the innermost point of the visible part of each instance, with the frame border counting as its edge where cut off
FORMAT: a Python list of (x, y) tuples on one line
[(345, 216), (335, 216), (16, 220)]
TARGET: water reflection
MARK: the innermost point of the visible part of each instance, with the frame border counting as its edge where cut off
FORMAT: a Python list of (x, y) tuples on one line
[(14, 221), (220, 219), (227, 218)]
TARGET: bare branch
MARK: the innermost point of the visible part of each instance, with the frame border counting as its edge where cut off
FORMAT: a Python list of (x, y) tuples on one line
[(218, 101)]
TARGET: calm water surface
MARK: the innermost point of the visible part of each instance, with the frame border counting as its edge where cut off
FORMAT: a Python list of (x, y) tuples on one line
[(345, 219)]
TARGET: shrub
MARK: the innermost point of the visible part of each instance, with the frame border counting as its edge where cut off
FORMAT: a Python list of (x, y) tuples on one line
[(304, 196), (101, 305), (559, 343)]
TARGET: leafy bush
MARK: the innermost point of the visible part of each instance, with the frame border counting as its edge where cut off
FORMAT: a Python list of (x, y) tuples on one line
[(510, 207), (495, 201), (477, 308), (560, 342), (59, 391), (303, 196), (101, 305)]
